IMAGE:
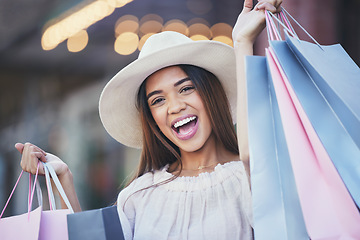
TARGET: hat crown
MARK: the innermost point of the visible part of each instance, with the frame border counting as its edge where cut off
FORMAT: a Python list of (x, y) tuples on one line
[(161, 41)]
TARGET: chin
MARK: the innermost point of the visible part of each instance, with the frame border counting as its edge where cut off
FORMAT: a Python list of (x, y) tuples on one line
[(191, 147)]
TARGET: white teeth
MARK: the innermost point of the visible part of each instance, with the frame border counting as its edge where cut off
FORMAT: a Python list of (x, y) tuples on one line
[(184, 121)]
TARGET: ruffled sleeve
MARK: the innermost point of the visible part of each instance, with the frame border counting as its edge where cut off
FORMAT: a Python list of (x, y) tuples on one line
[(246, 197), (126, 205), (126, 219)]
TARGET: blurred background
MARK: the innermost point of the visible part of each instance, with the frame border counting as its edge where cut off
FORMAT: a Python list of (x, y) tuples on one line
[(57, 55)]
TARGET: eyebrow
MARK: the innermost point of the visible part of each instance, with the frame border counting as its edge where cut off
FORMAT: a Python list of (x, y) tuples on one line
[(181, 81)]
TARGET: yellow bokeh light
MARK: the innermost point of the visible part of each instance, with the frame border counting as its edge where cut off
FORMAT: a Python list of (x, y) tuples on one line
[(151, 23), (151, 26), (150, 17), (75, 22), (78, 42), (198, 37), (126, 43), (197, 20), (224, 39), (200, 29), (125, 18), (143, 40), (221, 29), (127, 23), (118, 3), (176, 26)]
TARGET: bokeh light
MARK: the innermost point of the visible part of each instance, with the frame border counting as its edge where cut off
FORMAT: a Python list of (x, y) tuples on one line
[(127, 23), (198, 37), (78, 42), (126, 43), (118, 3), (176, 25), (197, 20), (81, 18), (151, 23), (224, 39), (222, 32), (199, 29), (221, 29)]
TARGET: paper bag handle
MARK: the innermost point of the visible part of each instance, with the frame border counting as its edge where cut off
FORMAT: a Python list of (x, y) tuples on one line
[(289, 29), (31, 193), (49, 189), (56, 180)]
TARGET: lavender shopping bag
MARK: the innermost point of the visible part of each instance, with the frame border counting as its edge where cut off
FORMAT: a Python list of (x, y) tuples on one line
[(53, 223), (276, 208)]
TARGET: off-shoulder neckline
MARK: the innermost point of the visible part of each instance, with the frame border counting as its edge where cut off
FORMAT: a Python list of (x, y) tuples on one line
[(216, 168)]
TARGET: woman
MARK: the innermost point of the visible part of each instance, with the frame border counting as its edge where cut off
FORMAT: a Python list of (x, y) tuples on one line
[(191, 182)]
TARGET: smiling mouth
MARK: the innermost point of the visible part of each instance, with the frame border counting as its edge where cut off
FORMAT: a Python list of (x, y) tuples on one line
[(185, 126)]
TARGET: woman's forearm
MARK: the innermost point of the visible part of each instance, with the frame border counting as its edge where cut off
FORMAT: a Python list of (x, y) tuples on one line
[(66, 180), (242, 49)]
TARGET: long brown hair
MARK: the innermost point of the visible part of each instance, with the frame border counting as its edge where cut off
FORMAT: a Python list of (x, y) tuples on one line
[(159, 151)]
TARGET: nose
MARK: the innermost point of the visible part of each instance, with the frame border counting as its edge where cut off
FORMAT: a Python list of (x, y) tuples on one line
[(175, 105)]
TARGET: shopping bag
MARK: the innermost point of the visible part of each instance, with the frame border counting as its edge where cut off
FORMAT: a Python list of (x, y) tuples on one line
[(327, 83), (37, 224), (337, 77), (97, 224), (28, 222), (53, 223), (337, 140), (276, 208), (328, 208)]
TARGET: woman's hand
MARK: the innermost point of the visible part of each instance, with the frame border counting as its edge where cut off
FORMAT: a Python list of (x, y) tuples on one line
[(251, 21), (32, 154)]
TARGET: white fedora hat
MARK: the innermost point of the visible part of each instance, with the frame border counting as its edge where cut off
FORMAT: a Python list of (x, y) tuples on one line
[(117, 105)]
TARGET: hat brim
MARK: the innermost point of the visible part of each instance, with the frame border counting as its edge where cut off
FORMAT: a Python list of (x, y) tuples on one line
[(117, 105)]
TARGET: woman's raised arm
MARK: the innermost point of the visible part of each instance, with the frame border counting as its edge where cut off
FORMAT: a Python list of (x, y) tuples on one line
[(249, 25)]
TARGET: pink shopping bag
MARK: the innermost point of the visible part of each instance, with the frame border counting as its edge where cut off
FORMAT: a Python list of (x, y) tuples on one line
[(24, 226), (37, 224)]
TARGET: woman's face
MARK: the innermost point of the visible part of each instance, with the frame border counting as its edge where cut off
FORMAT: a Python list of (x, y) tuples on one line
[(177, 108)]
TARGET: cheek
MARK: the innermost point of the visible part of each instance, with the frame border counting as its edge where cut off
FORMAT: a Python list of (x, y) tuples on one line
[(159, 118)]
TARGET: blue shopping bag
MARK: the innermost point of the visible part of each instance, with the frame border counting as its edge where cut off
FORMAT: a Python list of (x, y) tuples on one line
[(276, 208), (337, 77), (320, 108), (96, 224)]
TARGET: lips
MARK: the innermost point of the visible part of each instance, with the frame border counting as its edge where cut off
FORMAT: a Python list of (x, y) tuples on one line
[(185, 127)]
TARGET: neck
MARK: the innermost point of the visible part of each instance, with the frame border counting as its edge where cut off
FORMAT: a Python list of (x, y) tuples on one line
[(204, 159)]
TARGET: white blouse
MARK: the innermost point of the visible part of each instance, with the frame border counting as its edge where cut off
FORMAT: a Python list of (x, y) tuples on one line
[(215, 205)]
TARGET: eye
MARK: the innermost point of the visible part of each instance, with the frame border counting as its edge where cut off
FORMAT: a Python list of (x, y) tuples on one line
[(157, 101), (187, 89)]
